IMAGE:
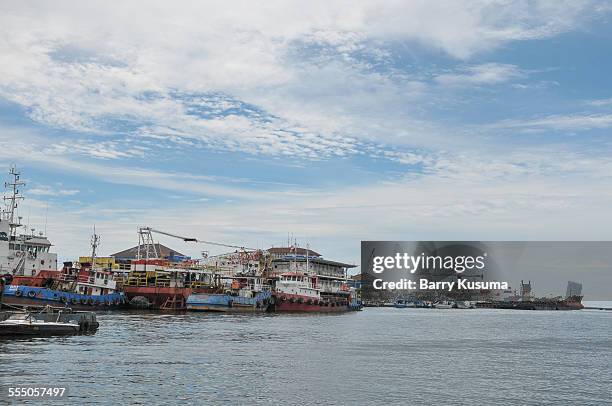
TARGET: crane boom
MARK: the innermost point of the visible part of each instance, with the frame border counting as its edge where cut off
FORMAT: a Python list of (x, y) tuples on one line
[(191, 239)]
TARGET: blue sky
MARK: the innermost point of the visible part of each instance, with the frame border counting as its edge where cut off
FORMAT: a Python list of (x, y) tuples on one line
[(333, 122)]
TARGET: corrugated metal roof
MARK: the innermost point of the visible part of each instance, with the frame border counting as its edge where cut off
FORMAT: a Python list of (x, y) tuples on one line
[(131, 253)]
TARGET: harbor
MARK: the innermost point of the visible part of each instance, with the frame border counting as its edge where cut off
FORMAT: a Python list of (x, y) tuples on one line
[(154, 277), (306, 203)]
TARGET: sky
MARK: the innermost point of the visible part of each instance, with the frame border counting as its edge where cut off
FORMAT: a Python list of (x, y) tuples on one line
[(332, 122)]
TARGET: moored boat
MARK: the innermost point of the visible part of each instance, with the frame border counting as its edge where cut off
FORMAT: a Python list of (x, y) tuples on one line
[(298, 292), (33, 327), (245, 295), (31, 274), (445, 304), (158, 284), (47, 321)]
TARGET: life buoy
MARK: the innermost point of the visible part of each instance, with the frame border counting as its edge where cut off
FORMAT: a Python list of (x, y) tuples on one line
[(18, 293)]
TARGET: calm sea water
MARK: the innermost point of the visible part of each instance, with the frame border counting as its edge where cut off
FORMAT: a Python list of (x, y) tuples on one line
[(390, 356)]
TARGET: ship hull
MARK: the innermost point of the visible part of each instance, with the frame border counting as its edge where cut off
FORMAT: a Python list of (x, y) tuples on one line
[(303, 304), (229, 304), (8, 328), (535, 305), (19, 295), (157, 298)]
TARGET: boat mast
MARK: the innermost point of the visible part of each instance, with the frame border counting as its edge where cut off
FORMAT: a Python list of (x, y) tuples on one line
[(95, 242), (11, 201)]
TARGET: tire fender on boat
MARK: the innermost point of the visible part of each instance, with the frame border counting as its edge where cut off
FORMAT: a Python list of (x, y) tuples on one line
[(18, 293), (31, 293)]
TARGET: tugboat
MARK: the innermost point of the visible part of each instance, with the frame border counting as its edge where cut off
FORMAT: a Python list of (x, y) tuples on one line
[(30, 269)]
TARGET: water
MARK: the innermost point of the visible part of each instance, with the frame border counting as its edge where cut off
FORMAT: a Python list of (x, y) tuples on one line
[(381, 355)]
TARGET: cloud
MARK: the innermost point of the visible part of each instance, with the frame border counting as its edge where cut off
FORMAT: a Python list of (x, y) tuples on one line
[(601, 102), (315, 78), (44, 190), (459, 197), (570, 122), (484, 74)]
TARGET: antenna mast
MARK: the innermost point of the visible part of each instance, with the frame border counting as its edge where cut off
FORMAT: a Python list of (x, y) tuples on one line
[(95, 242), (11, 201)]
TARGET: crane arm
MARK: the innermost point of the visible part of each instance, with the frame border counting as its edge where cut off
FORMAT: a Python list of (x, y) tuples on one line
[(191, 239)]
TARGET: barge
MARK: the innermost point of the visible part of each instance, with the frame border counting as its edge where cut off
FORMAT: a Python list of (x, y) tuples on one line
[(245, 295)]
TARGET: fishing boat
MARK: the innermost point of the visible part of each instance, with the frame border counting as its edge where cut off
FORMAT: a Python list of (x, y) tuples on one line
[(30, 268), (298, 292), (303, 281)]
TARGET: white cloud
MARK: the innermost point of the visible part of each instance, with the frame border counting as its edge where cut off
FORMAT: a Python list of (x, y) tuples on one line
[(95, 68), (484, 74), (570, 122), (460, 197), (308, 76), (44, 190), (601, 102)]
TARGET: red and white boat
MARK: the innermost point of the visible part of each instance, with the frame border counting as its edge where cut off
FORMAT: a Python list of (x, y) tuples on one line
[(300, 292)]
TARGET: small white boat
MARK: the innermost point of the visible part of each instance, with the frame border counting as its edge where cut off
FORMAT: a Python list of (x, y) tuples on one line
[(464, 304), (443, 305), (29, 325)]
